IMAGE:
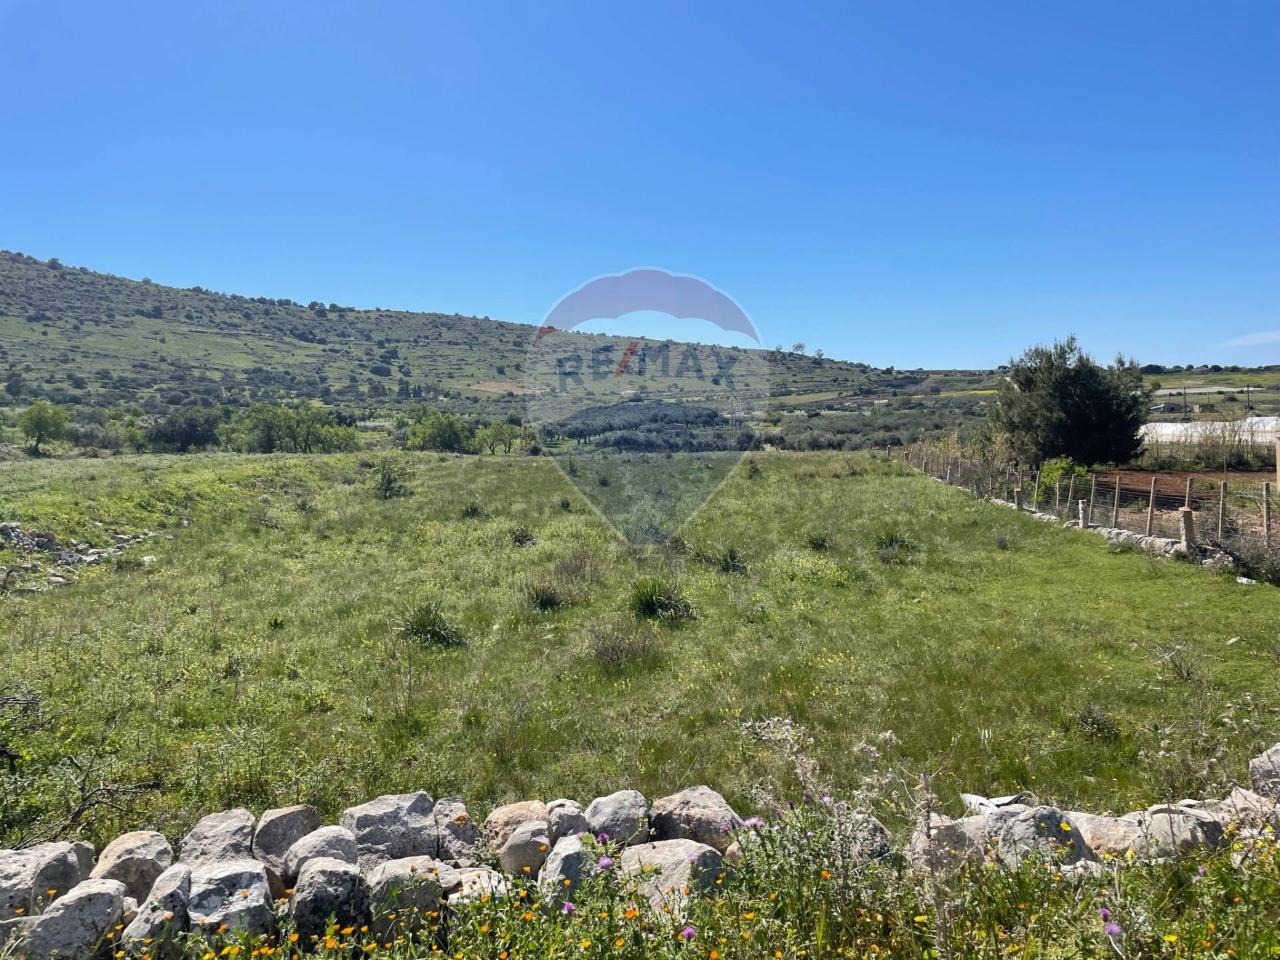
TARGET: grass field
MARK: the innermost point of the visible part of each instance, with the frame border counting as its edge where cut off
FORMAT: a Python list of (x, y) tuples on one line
[(258, 660)]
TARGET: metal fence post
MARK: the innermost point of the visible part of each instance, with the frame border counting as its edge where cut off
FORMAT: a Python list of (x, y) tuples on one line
[(1093, 494), (1266, 516), (1115, 507), (1151, 508)]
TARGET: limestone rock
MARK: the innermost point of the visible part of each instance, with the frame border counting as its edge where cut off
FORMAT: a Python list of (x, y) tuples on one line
[(565, 819), (328, 887), (74, 927), (1109, 837), (231, 892), (502, 821), (220, 836), (670, 867), (403, 894), (1172, 831), (943, 844), (622, 816), (1043, 833), (699, 814), (1264, 773), (1244, 807), (162, 915), (526, 849), (135, 859), (280, 829), (568, 864), (391, 827), (335, 843), (27, 876), (477, 882), (456, 836)]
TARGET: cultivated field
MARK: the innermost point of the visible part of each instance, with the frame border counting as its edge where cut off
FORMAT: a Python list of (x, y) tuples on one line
[(261, 658)]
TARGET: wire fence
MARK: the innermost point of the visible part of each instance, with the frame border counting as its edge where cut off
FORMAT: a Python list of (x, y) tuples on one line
[(1234, 515)]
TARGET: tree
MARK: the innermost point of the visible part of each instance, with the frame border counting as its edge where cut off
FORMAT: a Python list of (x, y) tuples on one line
[(1057, 402), (42, 422), (439, 431)]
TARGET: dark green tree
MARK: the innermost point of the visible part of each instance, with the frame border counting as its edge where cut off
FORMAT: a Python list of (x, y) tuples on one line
[(1057, 402)]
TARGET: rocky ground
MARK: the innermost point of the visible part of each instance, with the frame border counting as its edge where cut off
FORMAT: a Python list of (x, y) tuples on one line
[(50, 563)]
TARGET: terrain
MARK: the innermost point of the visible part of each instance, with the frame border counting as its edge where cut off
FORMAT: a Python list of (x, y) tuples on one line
[(260, 656)]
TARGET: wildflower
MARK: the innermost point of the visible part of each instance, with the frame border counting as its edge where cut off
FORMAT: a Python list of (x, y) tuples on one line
[(604, 863), (602, 837), (826, 874), (584, 944), (688, 933), (1105, 914), (568, 907), (1170, 938), (619, 942), (1113, 930)]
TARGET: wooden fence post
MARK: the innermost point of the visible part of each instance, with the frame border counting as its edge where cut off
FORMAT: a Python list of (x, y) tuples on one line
[(1187, 503), (1093, 494), (1222, 509), (1035, 496), (1071, 492), (1115, 507), (1083, 519), (1151, 508), (1057, 496)]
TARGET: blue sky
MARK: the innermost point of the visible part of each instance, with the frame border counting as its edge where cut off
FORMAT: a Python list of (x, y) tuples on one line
[(917, 184)]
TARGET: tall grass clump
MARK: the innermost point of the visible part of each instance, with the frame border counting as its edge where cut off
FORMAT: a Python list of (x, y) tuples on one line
[(654, 598), (425, 622), (893, 546)]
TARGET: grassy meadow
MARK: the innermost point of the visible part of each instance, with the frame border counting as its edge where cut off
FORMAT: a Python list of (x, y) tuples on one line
[(263, 658)]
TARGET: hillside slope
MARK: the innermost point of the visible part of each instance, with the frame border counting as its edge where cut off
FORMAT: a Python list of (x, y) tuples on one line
[(86, 338)]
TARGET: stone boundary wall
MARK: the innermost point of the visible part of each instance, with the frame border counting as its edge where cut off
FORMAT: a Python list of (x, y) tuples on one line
[(399, 859)]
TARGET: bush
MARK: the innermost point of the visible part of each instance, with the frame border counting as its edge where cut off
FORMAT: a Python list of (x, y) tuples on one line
[(473, 511), (390, 480), (425, 622), (522, 537), (653, 598)]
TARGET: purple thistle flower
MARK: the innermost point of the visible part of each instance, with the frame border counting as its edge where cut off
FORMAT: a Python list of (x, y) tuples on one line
[(1105, 914), (688, 933), (724, 828), (602, 837), (568, 907), (604, 863), (1113, 930)]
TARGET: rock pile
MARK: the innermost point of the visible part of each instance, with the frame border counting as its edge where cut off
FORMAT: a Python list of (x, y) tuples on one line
[(399, 860), (60, 561)]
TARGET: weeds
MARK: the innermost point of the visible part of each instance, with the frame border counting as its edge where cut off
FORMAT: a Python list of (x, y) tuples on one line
[(616, 646), (544, 596)]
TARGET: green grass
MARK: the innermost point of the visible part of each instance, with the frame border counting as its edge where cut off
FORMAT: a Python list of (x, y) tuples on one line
[(261, 661)]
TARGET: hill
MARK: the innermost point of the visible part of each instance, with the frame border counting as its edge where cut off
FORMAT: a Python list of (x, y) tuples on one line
[(97, 342)]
